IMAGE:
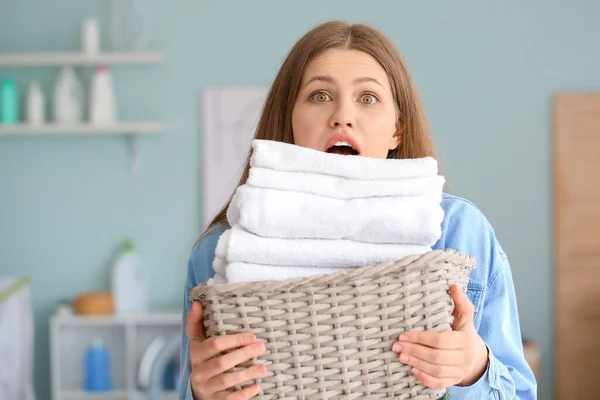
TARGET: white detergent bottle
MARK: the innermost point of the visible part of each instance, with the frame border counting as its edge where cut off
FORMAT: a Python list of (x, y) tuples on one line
[(129, 284), (68, 97), (35, 104), (102, 98)]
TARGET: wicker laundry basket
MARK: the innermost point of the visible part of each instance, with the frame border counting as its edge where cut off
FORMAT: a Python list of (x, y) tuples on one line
[(330, 336)]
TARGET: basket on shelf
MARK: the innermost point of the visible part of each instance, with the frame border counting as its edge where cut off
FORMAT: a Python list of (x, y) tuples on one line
[(330, 336)]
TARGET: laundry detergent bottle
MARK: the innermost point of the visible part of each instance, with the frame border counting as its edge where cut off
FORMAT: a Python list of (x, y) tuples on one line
[(129, 282), (97, 366)]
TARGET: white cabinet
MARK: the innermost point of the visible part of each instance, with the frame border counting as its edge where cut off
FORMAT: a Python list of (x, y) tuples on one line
[(126, 338)]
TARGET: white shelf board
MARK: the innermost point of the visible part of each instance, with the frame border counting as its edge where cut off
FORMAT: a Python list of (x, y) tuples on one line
[(74, 58), (119, 128), (153, 318), (115, 394), (168, 395), (82, 395)]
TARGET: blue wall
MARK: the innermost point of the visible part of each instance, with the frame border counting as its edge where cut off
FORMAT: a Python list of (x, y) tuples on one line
[(486, 72)]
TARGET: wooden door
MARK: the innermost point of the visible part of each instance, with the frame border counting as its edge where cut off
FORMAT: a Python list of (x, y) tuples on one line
[(577, 245)]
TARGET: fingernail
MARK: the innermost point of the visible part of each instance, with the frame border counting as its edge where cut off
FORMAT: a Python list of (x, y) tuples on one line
[(397, 347), (404, 357), (261, 368), (404, 337), (250, 338), (415, 371)]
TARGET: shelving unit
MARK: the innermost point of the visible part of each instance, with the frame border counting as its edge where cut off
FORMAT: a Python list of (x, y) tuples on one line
[(58, 59), (126, 338), (81, 59), (78, 59), (120, 128)]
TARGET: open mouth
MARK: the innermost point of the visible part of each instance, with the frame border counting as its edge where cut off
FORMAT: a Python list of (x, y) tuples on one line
[(343, 148)]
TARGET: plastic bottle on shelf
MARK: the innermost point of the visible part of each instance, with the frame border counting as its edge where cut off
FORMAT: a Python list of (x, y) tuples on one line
[(90, 36), (102, 98), (129, 282), (9, 102), (97, 367), (68, 97), (35, 105)]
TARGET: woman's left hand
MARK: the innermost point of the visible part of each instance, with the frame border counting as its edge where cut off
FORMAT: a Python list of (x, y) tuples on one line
[(455, 358)]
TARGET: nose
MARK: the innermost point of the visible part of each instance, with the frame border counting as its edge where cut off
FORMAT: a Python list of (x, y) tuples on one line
[(343, 115)]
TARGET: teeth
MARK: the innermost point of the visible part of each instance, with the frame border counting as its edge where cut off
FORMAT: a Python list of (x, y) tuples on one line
[(342, 144)]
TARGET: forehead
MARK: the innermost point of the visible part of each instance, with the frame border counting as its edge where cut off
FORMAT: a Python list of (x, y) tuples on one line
[(344, 65)]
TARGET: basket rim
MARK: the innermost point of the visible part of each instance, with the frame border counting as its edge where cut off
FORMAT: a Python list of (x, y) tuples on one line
[(446, 256)]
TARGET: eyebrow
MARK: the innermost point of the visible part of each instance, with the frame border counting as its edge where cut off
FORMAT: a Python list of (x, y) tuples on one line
[(331, 80)]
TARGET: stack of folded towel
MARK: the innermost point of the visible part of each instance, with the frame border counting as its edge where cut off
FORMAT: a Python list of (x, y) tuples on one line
[(304, 212)]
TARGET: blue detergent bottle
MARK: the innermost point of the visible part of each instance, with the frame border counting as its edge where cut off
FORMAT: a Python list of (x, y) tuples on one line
[(97, 367)]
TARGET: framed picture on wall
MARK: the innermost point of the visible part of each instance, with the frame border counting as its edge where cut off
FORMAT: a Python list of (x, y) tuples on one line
[(229, 119)]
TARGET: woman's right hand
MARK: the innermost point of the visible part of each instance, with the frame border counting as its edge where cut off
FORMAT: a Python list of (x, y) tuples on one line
[(208, 379)]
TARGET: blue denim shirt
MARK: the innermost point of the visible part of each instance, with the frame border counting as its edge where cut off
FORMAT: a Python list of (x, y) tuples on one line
[(490, 289)]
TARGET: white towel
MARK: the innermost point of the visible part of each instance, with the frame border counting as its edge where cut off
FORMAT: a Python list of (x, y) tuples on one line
[(236, 244), (17, 329), (290, 157), (218, 279), (236, 272), (343, 188), (292, 215), (304, 212)]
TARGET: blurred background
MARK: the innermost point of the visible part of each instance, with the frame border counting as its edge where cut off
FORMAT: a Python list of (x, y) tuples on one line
[(78, 197)]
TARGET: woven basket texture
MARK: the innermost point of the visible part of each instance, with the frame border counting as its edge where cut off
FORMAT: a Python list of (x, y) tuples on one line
[(330, 336)]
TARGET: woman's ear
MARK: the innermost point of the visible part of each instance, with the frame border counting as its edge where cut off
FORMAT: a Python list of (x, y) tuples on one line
[(396, 137)]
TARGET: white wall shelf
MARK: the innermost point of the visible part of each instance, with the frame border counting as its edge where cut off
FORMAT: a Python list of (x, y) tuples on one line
[(74, 58), (115, 395), (82, 395), (126, 338), (84, 129)]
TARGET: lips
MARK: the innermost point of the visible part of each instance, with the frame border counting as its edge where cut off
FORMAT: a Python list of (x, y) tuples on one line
[(342, 143)]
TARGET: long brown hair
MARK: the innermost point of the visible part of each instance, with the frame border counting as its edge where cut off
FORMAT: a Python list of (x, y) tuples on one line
[(275, 122)]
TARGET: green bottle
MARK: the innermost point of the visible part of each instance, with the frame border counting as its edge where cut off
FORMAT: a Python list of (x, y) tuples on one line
[(9, 102)]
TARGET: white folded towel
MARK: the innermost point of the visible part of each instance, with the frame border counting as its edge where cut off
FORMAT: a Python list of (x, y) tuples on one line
[(236, 244), (218, 279), (343, 188), (291, 215), (304, 212), (236, 272), (290, 157)]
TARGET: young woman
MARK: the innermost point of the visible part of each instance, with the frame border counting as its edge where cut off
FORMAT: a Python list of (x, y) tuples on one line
[(350, 81)]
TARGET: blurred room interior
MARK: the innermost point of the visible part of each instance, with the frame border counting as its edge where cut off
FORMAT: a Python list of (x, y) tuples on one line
[(511, 91)]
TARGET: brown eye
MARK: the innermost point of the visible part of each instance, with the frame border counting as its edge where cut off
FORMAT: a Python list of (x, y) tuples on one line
[(320, 97), (368, 99)]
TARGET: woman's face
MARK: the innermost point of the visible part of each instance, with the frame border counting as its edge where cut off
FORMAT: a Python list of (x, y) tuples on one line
[(345, 98)]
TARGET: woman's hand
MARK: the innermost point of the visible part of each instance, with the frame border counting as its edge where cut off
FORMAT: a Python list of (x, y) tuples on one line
[(441, 360), (208, 378)]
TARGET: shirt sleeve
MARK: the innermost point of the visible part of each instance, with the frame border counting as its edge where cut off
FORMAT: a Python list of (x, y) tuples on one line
[(185, 391), (508, 376), (199, 270)]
